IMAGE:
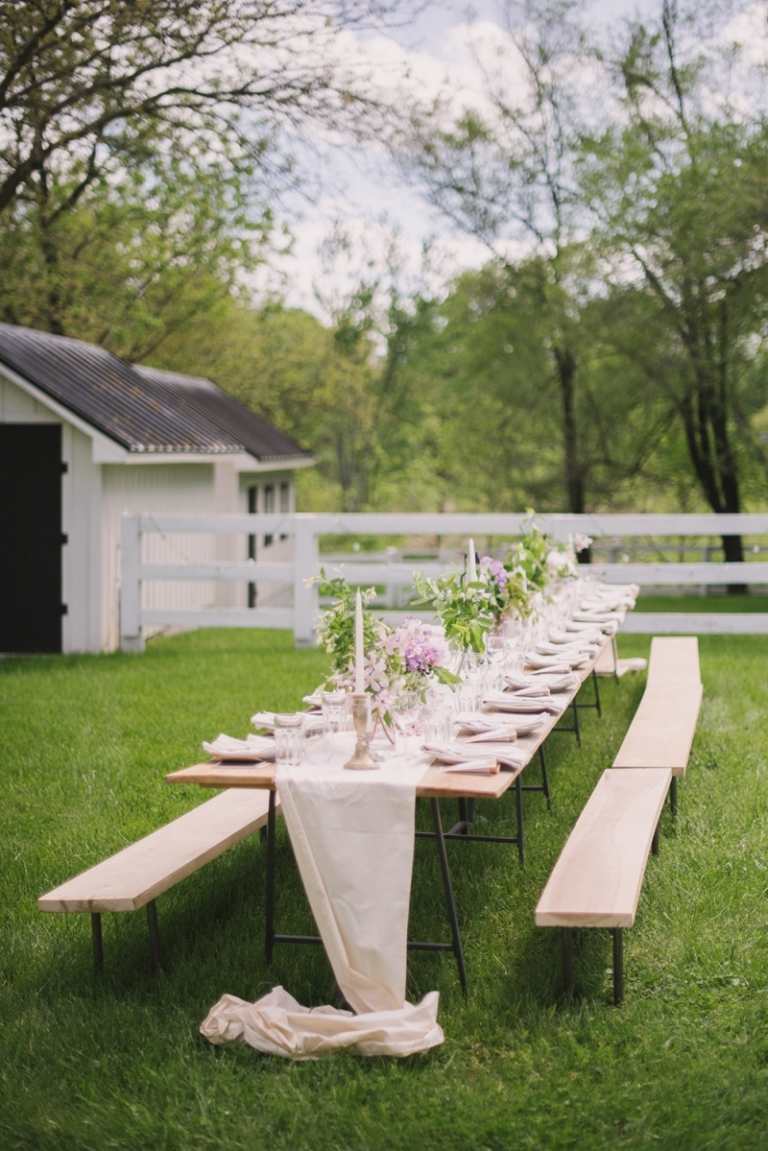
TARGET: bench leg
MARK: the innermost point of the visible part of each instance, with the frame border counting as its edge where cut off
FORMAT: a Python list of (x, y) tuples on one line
[(673, 795), (655, 841), (269, 896), (567, 935), (615, 647), (450, 901), (519, 811), (544, 779), (598, 703), (98, 942), (618, 965), (576, 723), (154, 936)]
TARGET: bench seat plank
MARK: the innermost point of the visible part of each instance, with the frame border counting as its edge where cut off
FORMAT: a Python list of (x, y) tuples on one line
[(673, 662), (136, 875), (597, 879), (662, 730)]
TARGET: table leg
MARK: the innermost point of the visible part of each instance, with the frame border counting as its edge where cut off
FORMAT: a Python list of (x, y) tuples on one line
[(269, 895), (450, 900)]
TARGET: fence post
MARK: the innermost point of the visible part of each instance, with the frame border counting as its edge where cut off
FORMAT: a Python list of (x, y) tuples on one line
[(305, 595), (131, 637)]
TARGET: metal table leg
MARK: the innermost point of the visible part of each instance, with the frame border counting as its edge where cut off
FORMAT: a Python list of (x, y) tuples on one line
[(450, 901), (269, 894)]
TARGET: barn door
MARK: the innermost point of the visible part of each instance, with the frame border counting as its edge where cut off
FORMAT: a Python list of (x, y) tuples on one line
[(30, 537)]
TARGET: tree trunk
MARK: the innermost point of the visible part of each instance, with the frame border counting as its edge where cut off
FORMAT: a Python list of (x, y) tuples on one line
[(573, 472)]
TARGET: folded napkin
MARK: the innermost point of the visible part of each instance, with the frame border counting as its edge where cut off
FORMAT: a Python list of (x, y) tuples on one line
[(565, 682), (582, 616), (490, 721), (577, 633), (456, 753), (314, 699), (253, 748), (503, 701), (534, 689), (505, 733), (574, 647), (473, 767), (266, 719), (557, 668), (565, 663)]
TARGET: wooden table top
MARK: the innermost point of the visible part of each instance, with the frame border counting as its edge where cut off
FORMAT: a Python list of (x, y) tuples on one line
[(435, 783)]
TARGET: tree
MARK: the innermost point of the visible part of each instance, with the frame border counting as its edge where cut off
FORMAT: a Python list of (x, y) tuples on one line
[(679, 190), (505, 175), (168, 122), (87, 83)]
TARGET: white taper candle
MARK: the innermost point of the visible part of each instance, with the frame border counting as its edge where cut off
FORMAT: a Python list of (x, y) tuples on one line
[(359, 652), (471, 565)]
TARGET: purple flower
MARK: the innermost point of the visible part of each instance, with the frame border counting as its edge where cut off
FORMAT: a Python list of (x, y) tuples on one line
[(496, 570)]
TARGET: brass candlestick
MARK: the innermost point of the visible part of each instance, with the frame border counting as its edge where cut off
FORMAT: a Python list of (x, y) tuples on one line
[(361, 758)]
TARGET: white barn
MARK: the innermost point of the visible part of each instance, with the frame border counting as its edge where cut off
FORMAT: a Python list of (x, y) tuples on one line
[(85, 437)]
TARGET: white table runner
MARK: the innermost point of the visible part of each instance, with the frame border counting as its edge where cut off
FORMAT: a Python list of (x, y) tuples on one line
[(353, 837)]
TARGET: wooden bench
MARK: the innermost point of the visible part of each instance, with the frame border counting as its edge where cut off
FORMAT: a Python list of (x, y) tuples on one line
[(135, 876), (598, 876), (663, 727)]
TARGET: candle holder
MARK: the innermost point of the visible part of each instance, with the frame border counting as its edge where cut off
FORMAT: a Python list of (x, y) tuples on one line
[(361, 758)]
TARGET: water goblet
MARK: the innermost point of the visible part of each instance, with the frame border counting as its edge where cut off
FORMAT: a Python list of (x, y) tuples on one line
[(289, 739)]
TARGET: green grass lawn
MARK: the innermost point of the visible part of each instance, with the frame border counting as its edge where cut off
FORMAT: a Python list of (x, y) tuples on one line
[(118, 1063)]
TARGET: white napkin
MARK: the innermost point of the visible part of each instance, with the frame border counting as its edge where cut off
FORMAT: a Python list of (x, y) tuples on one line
[(478, 758), (534, 689), (577, 633), (568, 651), (491, 721), (266, 719), (503, 701), (253, 747), (553, 663), (598, 616), (504, 733), (565, 682)]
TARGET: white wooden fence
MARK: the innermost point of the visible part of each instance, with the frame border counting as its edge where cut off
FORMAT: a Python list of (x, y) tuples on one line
[(306, 530)]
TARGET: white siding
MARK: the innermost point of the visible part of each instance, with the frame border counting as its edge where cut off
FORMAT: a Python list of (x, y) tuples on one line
[(80, 497), (187, 489)]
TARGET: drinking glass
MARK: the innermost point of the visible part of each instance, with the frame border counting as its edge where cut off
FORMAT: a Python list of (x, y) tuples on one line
[(289, 739), (334, 705)]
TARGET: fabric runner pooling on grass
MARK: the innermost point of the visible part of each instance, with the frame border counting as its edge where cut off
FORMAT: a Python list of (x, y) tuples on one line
[(352, 834)]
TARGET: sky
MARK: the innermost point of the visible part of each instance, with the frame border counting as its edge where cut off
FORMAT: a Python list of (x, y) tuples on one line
[(360, 186)]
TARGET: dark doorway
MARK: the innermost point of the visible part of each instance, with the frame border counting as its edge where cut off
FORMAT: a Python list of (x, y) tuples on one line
[(30, 537)]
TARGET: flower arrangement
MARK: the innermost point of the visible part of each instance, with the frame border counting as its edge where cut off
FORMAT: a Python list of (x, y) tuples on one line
[(466, 608), (562, 559), (508, 587), (397, 660), (531, 554)]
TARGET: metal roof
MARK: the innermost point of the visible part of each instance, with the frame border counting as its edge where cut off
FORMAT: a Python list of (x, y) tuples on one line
[(143, 409)]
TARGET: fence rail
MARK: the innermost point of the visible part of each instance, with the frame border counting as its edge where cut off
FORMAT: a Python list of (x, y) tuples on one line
[(305, 531)]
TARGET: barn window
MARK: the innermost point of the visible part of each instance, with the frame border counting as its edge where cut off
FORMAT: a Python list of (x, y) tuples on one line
[(285, 502), (269, 509), (253, 507)]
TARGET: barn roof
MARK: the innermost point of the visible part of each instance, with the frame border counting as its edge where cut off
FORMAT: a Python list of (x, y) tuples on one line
[(143, 409)]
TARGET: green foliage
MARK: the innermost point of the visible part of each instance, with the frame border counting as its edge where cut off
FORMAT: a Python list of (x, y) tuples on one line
[(336, 629), (466, 609)]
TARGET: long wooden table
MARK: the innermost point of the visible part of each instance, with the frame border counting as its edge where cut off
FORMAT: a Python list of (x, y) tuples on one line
[(434, 785)]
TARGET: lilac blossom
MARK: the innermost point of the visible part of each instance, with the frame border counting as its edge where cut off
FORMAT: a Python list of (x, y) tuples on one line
[(420, 649)]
